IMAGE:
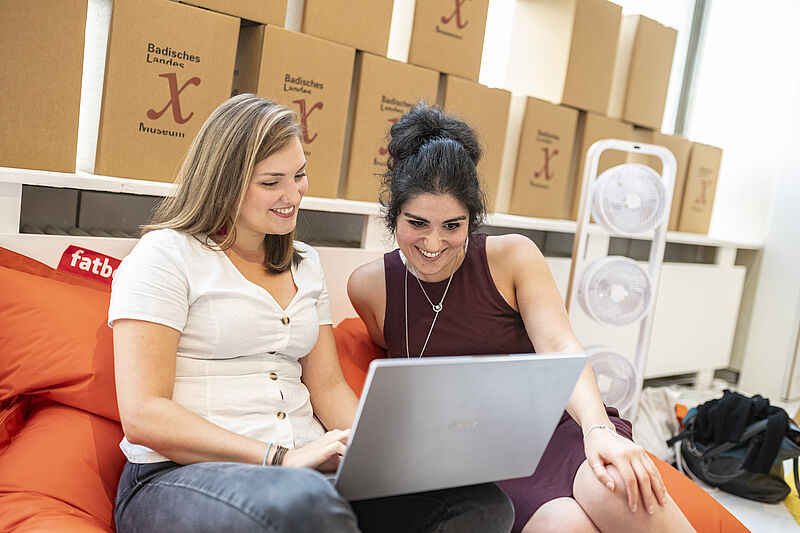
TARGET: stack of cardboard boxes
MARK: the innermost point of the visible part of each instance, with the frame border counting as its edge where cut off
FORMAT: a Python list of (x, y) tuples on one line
[(310, 75), (168, 66), (448, 36), (639, 91), (444, 53), (40, 92), (584, 57), (580, 71)]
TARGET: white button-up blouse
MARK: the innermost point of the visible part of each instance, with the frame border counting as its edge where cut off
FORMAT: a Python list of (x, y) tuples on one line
[(237, 361)]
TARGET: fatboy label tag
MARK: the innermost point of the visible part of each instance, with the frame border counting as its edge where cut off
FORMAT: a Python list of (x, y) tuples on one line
[(88, 264)]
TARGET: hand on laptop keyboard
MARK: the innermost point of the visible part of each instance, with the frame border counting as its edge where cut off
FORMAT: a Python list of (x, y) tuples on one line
[(322, 454)]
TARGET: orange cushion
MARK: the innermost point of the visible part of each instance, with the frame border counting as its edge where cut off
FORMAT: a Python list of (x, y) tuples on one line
[(12, 417), (55, 341), (23, 263), (704, 512), (60, 472), (356, 350)]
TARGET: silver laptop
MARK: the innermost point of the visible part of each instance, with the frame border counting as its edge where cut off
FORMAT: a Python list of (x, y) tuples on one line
[(441, 422)]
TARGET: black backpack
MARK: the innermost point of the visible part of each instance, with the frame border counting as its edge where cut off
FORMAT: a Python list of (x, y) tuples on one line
[(739, 444)]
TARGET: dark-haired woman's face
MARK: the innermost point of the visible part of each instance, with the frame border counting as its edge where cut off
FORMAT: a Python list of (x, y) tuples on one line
[(431, 231)]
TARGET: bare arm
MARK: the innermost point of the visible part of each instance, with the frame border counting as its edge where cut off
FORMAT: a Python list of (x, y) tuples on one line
[(367, 291), (547, 322), (144, 363), (333, 400), (548, 327)]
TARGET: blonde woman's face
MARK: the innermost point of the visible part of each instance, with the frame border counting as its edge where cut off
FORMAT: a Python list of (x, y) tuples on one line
[(277, 185)]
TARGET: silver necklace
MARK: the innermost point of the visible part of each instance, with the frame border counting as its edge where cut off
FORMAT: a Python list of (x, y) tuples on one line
[(437, 308)]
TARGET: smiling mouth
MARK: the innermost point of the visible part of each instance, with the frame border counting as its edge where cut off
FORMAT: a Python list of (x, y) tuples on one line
[(284, 212), (430, 255)]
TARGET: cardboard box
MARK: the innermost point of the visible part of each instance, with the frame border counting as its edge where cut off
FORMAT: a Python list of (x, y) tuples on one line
[(263, 11), (42, 58), (641, 71), (311, 76), (168, 67), (545, 151), (486, 110), (563, 51), (592, 128), (385, 91), (701, 185), (448, 36), (681, 149), (362, 24)]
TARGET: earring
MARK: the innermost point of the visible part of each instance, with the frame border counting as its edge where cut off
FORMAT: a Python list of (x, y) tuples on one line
[(466, 242)]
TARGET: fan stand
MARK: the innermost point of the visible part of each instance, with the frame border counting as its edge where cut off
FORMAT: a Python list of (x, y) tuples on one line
[(657, 244)]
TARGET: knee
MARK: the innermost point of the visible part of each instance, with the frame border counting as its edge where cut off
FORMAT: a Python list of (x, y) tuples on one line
[(562, 515), (486, 508), (589, 490), (498, 509), (503, 508), (561, 524), (235, 497), (311, 499)]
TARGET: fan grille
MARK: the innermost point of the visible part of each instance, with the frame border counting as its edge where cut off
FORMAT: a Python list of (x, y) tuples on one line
[(615, 290), (629, 199), (616, 377)]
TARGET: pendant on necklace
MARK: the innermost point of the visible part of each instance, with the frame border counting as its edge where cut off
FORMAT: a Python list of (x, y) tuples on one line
[(437, 307)]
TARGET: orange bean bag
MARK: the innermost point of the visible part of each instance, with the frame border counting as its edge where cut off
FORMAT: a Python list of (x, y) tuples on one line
[(60, 460)]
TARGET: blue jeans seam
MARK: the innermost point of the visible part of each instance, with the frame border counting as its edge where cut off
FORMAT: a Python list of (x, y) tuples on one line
[(266, 524)]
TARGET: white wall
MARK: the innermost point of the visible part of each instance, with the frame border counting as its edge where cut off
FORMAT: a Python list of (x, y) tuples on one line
[(769, 364), (747, 80)]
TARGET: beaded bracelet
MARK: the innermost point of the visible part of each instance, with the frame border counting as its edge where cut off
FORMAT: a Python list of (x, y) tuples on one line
[(604, 426), (264, 462)]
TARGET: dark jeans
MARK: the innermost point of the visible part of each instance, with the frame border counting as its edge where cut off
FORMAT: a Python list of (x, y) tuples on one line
[(233, 497)]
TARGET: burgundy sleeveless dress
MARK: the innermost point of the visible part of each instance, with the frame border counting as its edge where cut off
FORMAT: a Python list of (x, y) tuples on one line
[(476, 319)]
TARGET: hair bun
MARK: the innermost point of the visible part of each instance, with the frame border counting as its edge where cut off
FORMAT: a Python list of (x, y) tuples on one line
[(423, 124)]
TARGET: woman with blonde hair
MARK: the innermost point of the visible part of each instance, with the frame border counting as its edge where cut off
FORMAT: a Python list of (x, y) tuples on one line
[(226, 367)]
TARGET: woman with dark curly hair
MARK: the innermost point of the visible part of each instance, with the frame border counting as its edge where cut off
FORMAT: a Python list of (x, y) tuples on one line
[(450, 291)]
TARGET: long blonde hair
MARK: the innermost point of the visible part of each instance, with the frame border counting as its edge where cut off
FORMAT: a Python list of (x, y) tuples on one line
[(216, 173)]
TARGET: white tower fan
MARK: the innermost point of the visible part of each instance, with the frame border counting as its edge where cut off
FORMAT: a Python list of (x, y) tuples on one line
[(629, 200)]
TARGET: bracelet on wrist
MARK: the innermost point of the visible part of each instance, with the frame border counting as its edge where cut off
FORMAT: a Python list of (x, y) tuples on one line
[(612, 429), (264, 462), (280, 452)]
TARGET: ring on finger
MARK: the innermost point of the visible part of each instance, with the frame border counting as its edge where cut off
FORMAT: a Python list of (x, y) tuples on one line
[(596, 465)]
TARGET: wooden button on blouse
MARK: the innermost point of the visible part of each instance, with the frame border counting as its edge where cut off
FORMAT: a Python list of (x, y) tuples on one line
[(285, 321), (281, 415)]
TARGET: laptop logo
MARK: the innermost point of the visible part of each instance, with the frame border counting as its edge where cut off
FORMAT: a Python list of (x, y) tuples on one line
[(463, 425)]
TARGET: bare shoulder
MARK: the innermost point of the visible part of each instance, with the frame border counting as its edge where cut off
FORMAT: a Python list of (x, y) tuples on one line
[(512, 250), (366, 284), (367, 291), (367, 276)]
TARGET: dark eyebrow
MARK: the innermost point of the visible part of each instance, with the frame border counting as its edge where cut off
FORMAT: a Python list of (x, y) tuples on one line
[(416, 217)]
